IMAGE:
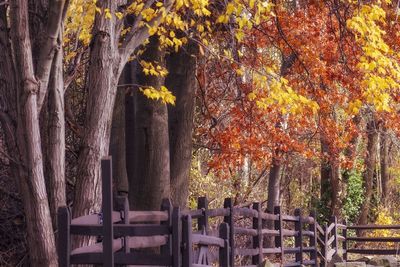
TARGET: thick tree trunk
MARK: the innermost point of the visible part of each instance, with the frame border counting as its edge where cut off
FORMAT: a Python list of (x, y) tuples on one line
[(384, 152), (102, 84), (102, 89), (108, 56), (130, 121), (370, 164), (181, 81), (151, 179), (30, 170), (33, 189), (117, 142)]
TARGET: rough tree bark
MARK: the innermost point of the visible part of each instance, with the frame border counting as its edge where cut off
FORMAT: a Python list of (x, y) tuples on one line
[(117, 142), (28, 81), (370, 164), (182, 82), (384, 152), (55, 147), (52, 122), (130, 118), (151, 179), (102, 84), (108, 57)]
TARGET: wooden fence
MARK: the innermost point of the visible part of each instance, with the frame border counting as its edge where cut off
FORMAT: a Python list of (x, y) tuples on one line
[(302, 228), (357, 241), (126, 236), (334, 242)]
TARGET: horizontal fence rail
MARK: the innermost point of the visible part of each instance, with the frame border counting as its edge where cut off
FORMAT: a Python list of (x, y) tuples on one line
[(358, 242)]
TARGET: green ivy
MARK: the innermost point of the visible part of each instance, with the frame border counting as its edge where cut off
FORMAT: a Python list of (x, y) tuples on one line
[(354, 197)]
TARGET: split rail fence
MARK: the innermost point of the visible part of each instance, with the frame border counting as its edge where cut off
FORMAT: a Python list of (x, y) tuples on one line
[(171, 237)]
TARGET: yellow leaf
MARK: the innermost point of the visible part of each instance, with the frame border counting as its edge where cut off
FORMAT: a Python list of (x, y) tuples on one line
[(119, 15)]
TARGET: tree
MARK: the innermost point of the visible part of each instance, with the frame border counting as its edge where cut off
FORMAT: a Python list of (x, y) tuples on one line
[(24, 92), (370, 166), (384, 164), (149, 183), (107, 60), (181, 79)]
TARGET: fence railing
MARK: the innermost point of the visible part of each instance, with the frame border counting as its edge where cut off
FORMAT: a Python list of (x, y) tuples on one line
[(168, 237), (335, 237), (354, 244), (302, 228)]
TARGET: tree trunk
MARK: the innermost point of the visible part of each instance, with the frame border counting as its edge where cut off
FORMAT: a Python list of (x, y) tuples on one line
[(351, 152), (130, 121), (102, 82), (181, 81), (274, 185), (30, 168), (274, 179), (370, 164), (117, 142), (55, 156), (330, 180), (384, 151), (108, 57), (151, 180), (274, 190)]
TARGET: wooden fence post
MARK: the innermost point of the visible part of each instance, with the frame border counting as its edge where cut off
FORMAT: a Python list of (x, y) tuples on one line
[(257, 240), (279, 226), (108, 233), (345, 241), (335, 244), (176, 237), (64, 236), (326, 248), (228, 204), (122, 205), (202, 203), (166, 205), (187, 259), (224, 252), (313, 239), (298, 241)]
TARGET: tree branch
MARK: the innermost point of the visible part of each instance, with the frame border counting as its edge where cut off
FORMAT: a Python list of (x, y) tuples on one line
[(138, 35), (48, 47), (22, 47)]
